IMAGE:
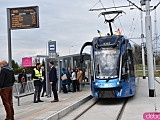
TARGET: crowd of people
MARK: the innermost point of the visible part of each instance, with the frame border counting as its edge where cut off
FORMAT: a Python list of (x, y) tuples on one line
[(74, 78), (71, 81)]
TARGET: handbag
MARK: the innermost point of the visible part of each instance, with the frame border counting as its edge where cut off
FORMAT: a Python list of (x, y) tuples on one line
[(64, 77)]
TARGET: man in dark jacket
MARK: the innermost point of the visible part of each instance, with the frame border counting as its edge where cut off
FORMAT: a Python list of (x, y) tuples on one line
[(7, 80), (53, 80)]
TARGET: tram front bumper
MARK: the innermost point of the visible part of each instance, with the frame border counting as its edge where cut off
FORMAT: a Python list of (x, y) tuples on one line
[(108, 92)]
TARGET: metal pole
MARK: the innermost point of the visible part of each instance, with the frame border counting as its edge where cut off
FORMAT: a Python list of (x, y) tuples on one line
[(148, 26), (48, 86), (154, 57), (9, 39), (155, 52), (143, 56)]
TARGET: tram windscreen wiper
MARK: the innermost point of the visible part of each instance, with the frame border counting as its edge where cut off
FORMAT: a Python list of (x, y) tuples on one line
[(98, 71)]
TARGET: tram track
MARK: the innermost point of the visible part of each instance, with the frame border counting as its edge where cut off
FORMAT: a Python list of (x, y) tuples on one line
[(122, 109), (103, 109), (83, 112), (157, 81)]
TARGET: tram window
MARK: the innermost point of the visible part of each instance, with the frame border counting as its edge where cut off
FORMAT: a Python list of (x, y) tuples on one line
[(131, 63), (124, 68)]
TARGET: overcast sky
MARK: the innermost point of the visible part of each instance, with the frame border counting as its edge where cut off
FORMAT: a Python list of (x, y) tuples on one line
[(69, 23)]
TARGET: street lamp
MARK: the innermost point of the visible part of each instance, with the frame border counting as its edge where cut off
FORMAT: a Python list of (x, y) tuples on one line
[(70, 49)]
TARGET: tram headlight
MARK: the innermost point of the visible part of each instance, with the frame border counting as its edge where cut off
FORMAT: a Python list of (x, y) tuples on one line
[(117, 83), (98, 84)]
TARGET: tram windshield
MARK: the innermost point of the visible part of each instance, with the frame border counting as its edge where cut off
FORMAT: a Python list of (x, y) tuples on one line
[(106, 63)]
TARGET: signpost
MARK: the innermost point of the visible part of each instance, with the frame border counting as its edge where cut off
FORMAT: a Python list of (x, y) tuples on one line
[(52, 49), (21, 18)]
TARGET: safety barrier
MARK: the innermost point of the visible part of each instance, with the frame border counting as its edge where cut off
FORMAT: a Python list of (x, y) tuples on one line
[(22, 90)]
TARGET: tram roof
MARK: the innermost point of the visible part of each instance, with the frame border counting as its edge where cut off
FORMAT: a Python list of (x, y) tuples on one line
[(74, 56)]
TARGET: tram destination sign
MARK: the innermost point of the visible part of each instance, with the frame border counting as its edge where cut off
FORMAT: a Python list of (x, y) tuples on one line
[(23, 17)]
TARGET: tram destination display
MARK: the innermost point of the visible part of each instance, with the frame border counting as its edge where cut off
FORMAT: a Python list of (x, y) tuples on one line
[(23, 17)]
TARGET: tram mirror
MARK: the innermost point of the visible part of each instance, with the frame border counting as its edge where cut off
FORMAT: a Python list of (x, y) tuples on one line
[(124, 76), (98, 69)]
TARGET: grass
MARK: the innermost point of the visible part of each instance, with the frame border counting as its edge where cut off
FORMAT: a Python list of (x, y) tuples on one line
[(139, 73)]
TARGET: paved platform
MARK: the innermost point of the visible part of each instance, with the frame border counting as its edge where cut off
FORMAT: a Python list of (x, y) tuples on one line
[(135, 108), (47, 110), (142, 103)]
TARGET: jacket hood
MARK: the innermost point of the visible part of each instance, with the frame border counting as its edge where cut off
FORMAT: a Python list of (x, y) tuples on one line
[(7, 67)]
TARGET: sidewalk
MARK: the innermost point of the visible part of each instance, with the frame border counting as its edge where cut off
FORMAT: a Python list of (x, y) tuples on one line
[(47, 110)]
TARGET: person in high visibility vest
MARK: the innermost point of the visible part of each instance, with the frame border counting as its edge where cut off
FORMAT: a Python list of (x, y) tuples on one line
[(37, 78)]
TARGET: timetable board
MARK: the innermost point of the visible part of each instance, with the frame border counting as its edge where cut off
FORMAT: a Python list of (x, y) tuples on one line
[(23, 17)]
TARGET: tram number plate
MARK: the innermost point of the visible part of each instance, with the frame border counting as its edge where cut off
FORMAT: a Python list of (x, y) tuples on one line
[(109, 85)]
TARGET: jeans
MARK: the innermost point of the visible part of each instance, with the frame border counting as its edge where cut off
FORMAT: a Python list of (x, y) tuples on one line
[(44, 87), (6, 95), (64, 89)]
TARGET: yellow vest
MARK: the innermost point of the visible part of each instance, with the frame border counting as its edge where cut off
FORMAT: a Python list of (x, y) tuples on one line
[(37, 73)]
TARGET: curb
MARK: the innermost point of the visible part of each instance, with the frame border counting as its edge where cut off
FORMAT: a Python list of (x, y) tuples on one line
[(68, 109)]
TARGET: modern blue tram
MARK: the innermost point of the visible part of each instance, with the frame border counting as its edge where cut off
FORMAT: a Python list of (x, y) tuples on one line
[(112, 67)]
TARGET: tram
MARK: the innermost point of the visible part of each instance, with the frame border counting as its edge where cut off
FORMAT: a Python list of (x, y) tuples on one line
[(112, 67)]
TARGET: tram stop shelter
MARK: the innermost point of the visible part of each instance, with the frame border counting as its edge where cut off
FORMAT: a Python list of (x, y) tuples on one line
[(64, 62)]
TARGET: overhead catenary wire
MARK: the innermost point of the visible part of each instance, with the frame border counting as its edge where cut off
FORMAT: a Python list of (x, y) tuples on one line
[(134, 27), (119, 19), (108, 15), (105, 10), (94, 5)]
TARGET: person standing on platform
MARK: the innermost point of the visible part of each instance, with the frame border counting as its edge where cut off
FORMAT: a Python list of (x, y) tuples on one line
[(7, 80), (69, 79), (44, 81), (22, 78), (64, 82), (37, 78), (79, 78), (53, 80), (74, 80), (77, 83)]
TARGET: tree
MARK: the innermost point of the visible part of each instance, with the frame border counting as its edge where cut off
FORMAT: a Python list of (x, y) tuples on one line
[(138, 53), (43, 63)]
